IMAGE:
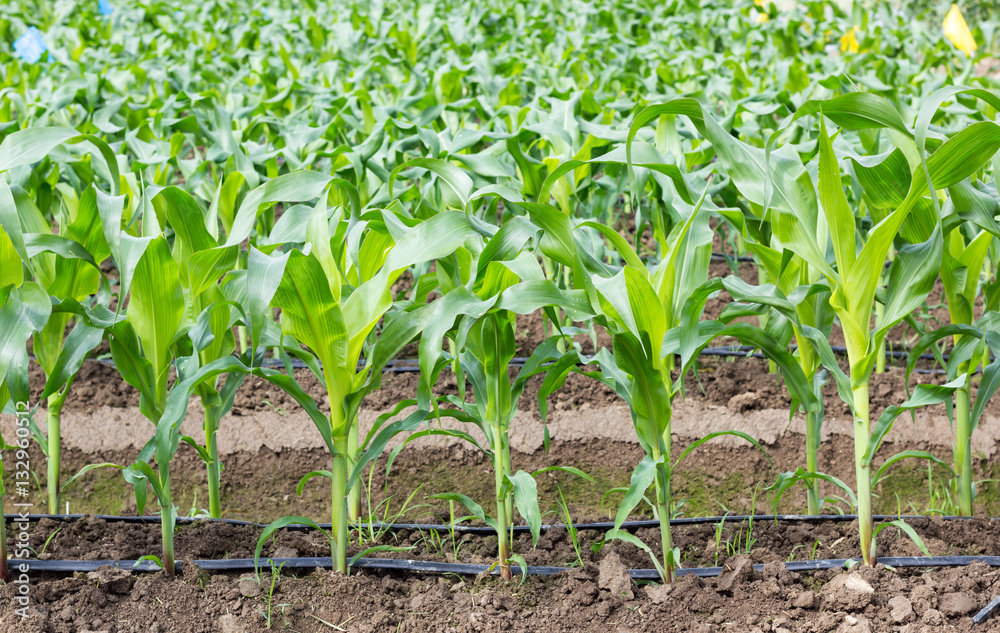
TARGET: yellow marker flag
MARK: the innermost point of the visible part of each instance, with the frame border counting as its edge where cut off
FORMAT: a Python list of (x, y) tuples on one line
[(849, 43), (956, 30)]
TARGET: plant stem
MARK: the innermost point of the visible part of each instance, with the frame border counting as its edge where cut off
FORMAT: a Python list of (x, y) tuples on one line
[(507, 471), (663, 511), (338, 512), (354, 494), (662, 482), (53, 421), (503, 518), (807, 360), (880, 358), (963, 448), (214, 470), (166, 515), (812, 448), (864, 482)]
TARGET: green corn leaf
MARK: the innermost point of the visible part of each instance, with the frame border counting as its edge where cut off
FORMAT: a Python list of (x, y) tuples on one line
[(924, 395), (899, 523), (471, 506), (458, 185), (905, 455), (157, 307), (82, 340), (308, 476), (299, 186), (526, 501), (274, 526), (716, 434), (642, 479), (831, 194), (26, 311)]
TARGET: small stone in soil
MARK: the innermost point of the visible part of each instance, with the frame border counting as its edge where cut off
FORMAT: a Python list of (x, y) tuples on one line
[(854, 624), (249, 587), (737, 570), (956, 604), (849, 592), (112, 579), (933, 617), (804, 600), (902, 609), (658, 593), (227, 624), (613, 576)]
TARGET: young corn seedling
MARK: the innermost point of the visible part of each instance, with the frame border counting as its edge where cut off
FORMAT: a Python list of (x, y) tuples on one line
[(485, 355), (143, 350), (202, 262), (794, 275), (145, 344), (156, 335), (972, 341), (24, 311), (75, 277), (970, 230), (331, 299), (784, 192), (479, 316), (64, 263), (853, 279), (638, 307)]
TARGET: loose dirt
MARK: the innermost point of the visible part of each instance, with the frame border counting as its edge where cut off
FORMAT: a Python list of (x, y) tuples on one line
[(596, 597)]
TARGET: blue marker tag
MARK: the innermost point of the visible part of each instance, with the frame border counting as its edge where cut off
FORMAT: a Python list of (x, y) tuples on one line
[(104, 7), (30, 46)]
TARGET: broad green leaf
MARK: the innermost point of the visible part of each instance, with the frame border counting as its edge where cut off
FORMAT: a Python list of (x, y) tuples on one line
[(526, 501), (156, 308)]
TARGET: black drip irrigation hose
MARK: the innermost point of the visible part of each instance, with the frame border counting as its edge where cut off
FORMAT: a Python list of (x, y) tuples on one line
[(986, 611), (432, 567), (412, 365), (518, 529), (729, 258)]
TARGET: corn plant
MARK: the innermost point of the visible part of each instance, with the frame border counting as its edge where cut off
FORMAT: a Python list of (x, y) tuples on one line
[(638, 308), (972, 342), (484, 335), (967, 244), (633, 314), (854, 281), (65, 264), (332, 299), (969, 231), (159, 332), (25, 310), (143, 350), (202, 263)]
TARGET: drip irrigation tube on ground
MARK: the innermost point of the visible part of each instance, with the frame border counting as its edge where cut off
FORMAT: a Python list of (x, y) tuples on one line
[(409, 365), (478, 529), (432, 567)]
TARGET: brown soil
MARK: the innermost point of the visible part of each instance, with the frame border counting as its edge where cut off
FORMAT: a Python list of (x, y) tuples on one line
[(717, 381), (597, 597), (765, 541)]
